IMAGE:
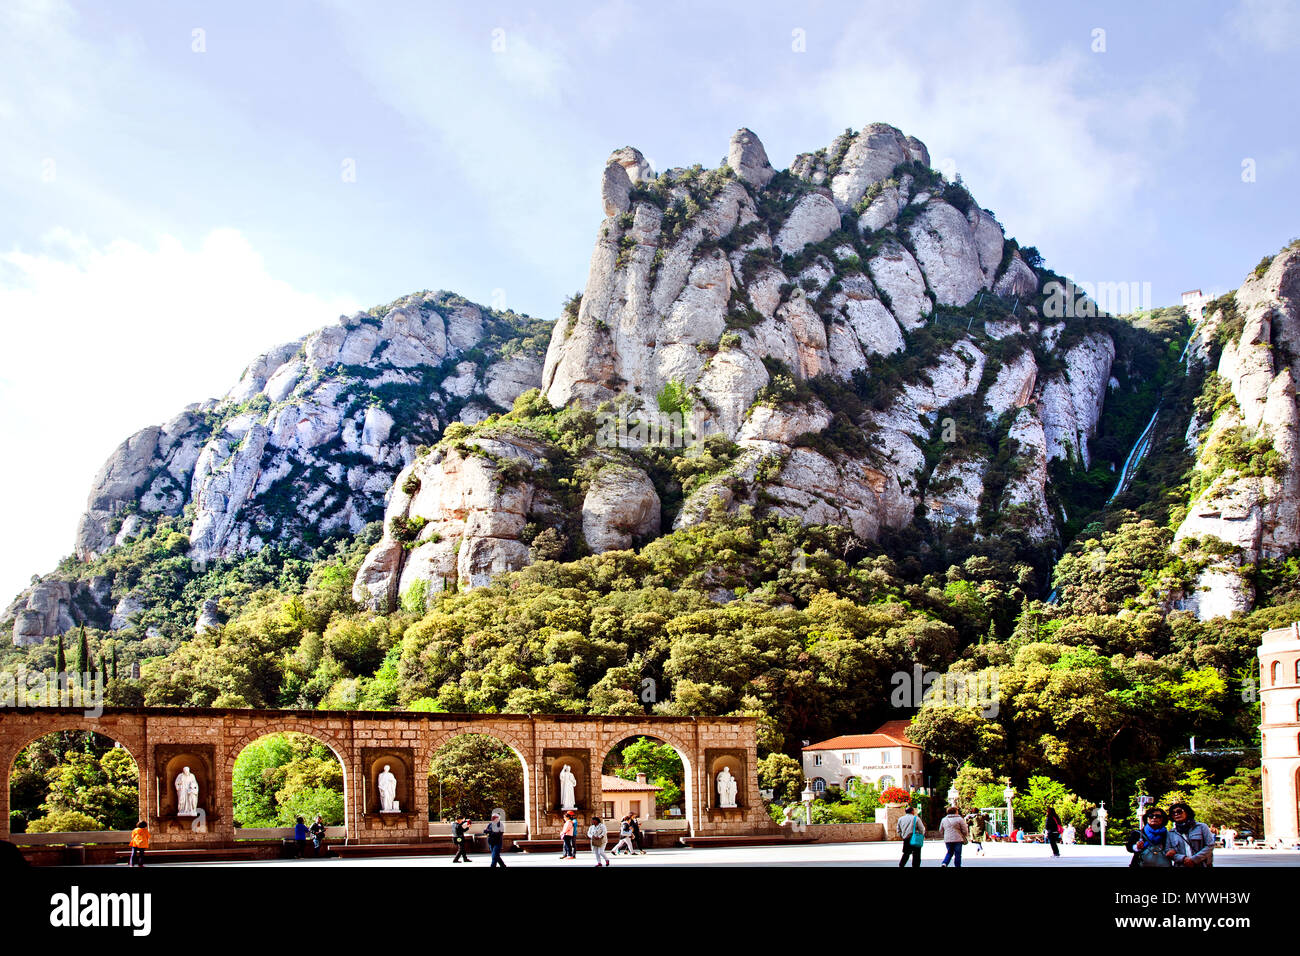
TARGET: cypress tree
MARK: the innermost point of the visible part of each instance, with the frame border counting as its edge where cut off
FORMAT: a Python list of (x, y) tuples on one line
[(83, 653), (114, 662), (60, 665)]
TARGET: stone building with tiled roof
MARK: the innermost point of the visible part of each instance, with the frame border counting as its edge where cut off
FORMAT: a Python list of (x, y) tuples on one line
[(883, 758)]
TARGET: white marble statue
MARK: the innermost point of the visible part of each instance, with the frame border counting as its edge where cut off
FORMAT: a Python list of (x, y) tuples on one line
[(187, 794), (568, 789), (387, 791), (726, 789)]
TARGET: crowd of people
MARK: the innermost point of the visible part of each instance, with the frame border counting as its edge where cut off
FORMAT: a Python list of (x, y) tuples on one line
[(1161, 839)]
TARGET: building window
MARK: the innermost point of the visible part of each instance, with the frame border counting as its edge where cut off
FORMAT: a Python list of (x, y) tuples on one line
[(1297, 670), (817, 760), (885, 782), (1273, 672), (850, 758), (886, 756), (850, 785), (818, 785), (609, 811)]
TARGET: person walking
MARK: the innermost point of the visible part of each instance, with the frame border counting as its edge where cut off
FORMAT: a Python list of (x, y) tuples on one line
[(1229, 838), (954, 833), (1052, 830), (978, 825), (636, 835), (569, 837), (912, 832), (597, 833), (1199, 837), (624, 843), (300, 834), (139, 843), (318, 835), (495, 832), (1153, 844), (1068, 834), (459, 833)]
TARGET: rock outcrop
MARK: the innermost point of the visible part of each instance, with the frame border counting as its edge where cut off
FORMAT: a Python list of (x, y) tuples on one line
[(1249, 502), (311, 436)]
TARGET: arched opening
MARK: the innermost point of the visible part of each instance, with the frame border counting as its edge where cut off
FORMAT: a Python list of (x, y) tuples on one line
[(282, 776), (73, 781), (1277, 665), (648, 777), (472, 775)]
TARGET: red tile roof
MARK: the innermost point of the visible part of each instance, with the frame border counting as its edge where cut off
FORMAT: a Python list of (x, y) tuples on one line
[(608, 783), (890, 734)]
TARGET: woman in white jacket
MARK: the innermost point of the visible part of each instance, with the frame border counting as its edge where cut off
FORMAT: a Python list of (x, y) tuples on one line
[(597, 834)]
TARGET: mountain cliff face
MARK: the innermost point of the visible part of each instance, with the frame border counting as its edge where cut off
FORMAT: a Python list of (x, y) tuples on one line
[(305, 444), (1246, 487), (856, 332), (850, 341)]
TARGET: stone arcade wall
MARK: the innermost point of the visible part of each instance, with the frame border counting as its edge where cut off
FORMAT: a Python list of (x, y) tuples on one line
[(163, 739)]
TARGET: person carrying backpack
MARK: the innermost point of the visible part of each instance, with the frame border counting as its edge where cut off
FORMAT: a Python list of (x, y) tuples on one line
[(1155, 845), (912, 832)]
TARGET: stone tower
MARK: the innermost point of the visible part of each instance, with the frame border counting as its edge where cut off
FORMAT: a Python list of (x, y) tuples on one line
[(1279, 660)]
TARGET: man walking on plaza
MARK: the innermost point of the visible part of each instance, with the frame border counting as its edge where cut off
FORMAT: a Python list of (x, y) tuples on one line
[(495, 832), (459, 836), (912, 832)]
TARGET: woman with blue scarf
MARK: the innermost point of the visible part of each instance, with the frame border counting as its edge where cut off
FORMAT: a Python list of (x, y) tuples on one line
[(1154, 844)]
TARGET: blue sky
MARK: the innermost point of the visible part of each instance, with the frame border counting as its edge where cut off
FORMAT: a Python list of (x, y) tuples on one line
[(171, 211)]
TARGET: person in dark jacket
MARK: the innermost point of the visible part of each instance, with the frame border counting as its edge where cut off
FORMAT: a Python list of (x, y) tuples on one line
[(636, 835), (1052, 830), (318, 835), (459, 836), (495, 832), (300, 834), (1200, 838)]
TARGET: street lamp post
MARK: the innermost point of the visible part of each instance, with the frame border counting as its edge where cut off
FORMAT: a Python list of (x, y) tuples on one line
[(1101, 820), (1008, 795), (807, 796)]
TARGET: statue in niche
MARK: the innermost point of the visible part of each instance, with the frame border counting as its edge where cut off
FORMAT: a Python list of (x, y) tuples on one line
[(387, 791), (727, 787), (187, 794), (568, 789)]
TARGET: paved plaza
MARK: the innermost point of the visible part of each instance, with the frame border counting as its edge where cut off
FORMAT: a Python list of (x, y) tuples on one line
[(825, 854)]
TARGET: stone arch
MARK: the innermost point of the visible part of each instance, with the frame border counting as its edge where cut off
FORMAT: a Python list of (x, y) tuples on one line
[(129, 742), (440, 736), (322, 735), (685, 751)]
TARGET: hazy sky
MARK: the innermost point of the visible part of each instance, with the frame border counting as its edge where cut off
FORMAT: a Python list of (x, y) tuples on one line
[(175, 177)]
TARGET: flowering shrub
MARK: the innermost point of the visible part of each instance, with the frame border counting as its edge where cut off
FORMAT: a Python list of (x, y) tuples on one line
[(895, 795)]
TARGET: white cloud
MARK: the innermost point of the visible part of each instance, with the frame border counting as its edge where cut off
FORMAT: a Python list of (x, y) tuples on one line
[(1039, 134), (1271, 25), (101, 341)]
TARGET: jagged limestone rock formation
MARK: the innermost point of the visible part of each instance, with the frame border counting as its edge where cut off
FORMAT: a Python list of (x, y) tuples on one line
[(311, 435), (306, 443), (1247, 455)]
